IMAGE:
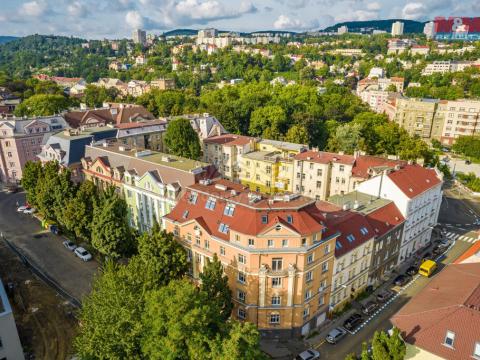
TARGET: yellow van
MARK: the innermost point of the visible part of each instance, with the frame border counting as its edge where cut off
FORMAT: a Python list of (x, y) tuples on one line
[(427, 268)]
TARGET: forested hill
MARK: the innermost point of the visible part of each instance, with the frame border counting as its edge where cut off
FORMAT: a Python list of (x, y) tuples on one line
[(410, 26), (55, 55), (5, 39)]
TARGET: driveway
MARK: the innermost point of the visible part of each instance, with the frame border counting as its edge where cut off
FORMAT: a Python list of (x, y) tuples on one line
[(45, 249)]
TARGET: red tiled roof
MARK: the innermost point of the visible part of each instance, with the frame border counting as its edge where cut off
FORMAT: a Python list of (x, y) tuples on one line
[(385, 219), (116, 114), (346, 222), (450, 302), (413, 180), (397, 79), (229, 140), (323, 157), (364, 162), (471, 255), (247, 218)]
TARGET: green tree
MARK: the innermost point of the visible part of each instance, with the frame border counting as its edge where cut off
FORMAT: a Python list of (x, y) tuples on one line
[(297, 134), (95, 96), (45, 191), (269, 122), (385, 347), (64, 192), (182, 140), (215, 285), (32, 174), (163, 257), (111, 234), (347, 138), (43, 105)]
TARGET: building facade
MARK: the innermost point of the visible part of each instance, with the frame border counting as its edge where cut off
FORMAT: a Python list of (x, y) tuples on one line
[(10, 346), (276, 253), (21, 140)]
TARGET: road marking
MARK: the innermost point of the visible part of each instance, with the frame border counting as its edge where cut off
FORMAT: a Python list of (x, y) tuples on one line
[(319, 344)]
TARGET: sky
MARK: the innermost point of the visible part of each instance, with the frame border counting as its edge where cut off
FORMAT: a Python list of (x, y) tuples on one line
[(98, 19)]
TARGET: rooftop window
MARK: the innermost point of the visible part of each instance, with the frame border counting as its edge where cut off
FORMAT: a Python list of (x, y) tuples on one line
[(350, 238), (229, 209), (223, 228), (290, 219), (264, 219), (210, 204), (338, 245), (193, 198), (449, 338), (364, 230), (185, 214)]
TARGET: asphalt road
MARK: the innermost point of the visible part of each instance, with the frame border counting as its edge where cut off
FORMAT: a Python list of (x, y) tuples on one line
[(353, 343), (458, 212), (44, 248)]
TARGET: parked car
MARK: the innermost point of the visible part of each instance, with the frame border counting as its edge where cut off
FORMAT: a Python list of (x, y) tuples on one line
[(353, 322), (467, 162), (335, 335), (70, 245), (446, 159), (444, 243), (426, 256), (400, 280), (411, 271), (476, 222), (309, 354), (83, 254), (30, 211), (369, 308), (22, 208), (384, 295)]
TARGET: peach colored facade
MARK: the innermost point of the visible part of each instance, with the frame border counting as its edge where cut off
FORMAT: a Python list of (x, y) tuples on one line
[(279, 276)]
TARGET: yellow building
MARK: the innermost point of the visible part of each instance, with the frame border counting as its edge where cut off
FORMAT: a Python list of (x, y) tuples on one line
[(269, 169)]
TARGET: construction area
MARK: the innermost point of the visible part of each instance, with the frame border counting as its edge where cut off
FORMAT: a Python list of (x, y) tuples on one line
[(45, 321)]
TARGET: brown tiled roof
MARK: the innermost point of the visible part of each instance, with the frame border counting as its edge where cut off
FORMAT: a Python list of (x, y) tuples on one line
[(119, 115), (365, 162), (323, 157), (413, 180), (385, 219), (450, 302), (229, 140), (471, 255)]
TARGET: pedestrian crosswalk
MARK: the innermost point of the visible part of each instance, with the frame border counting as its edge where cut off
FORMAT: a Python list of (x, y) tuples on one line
[(467, 238)]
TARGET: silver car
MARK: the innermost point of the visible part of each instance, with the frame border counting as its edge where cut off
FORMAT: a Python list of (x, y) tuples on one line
[(309, 354), (335, 335)]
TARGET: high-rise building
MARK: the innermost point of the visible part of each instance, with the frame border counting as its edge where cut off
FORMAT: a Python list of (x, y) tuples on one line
[(429, 29), (397, 28), (139, 36), (342, 30)]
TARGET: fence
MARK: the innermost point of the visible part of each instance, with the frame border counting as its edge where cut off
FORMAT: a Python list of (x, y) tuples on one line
[(42, 275)]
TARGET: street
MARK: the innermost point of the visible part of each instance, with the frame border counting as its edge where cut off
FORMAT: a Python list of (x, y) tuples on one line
[(44, 248)]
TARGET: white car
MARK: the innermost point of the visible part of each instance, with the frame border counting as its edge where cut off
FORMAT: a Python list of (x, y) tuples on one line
[(30, 211), (69, 245), (22, 208), (83, 254), (309, 354)]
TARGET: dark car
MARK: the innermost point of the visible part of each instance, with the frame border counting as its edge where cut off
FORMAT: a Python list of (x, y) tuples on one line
[(369, 308), (411, 271), (467, 162), (384, 295), (353, 322), (400, 280), (426, 256)]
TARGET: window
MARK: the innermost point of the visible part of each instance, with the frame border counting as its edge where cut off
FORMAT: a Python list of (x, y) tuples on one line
[(364, 230), (270, 243), (341, 168), (251, 242), (284, 243), (350, 238), (197, 240), (290, 219), (257, 177), (237, 237), (276, 282), (319, 172), (338, 245), (310, 258), (241, 295), (264, 219), (324, 267), (222, 250), (210, 204), (9, 154), (476, 350), (275, 300), (311, 166), (242, 313), (327, 249), (229, 209), (223, 228), (241, 277), (277, 264), (185, 213), (242, 259), (321, 300), (308, 294), (207, 244), (449, 338), (274, 318), (319, 184), (306, 312), (309, 276)]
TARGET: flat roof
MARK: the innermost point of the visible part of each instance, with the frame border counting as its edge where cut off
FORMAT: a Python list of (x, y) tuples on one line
[(284, 145), (366, 203), (84, 133)]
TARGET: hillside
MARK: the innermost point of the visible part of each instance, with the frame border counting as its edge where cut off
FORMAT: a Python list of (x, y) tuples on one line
[(5, 39), (181, 32), (410, 26)]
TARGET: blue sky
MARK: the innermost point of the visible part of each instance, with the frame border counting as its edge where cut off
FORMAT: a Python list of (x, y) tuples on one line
[(117, 18)]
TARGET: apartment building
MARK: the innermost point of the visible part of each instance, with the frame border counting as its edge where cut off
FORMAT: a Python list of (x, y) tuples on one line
[(277, 254), (353, 251), (150, 182), (143, 134), (397, 28), (163, 84), (442, 67), (21, 140), (460, 117), (10, 346), (320, 174), (376, 91), (269, 169), (224, 151), (417, 193), (387, 223)]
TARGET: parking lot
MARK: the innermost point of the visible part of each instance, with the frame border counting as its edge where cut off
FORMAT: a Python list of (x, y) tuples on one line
[(45, 249)]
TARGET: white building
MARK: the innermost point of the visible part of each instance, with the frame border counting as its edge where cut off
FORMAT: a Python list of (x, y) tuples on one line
[(417, 193), (429, 29), (342, 30), (10, 346), (139, 36), (397, 28), (376, 72)]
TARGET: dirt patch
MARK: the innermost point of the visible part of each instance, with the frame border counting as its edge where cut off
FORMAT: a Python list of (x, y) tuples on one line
[(45, 321)]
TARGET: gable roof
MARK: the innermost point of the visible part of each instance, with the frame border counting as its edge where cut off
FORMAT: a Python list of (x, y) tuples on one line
[(323, 157), (456, 307), (364, 163), (413, 180), (385, 219), (114, 114), (229, 140)]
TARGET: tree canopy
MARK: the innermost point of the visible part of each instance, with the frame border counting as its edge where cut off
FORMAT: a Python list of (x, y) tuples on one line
[(181, 139)]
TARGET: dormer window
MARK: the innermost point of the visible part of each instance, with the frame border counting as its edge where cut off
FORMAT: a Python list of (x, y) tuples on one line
[(290, 219), (364, 230), (229, 209), (193, 198), (264, 219), (185, 214), (211, 202), (476, 350), (350, 238), (449, 339)]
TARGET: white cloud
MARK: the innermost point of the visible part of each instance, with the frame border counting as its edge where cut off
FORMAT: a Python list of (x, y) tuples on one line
[(284, 22), (357, 15), (375, 6), (77, 9), (134, 20), (294, 4), (414, 10), (34, 8)]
